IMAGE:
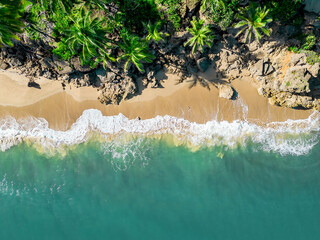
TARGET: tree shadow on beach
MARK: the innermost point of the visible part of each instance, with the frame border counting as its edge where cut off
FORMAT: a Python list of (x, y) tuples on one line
[(210, 78)]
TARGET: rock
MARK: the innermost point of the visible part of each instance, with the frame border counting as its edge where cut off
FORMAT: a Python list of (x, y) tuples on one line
[(150, 75), (267, 68), (286, 99), (262, 91), (297, 80), (47, 74), (145, 82), (290, 30), (100, 76), (253, 46), (263, 68), (46, 63), (298, 59), (4, 65), (129, 87), (314, 69), (78, 65), (33, 84), (203, 64), (62, 67), (189, 7), (234, 73), (15, 62), (82, 83), (65, 78), (110, 76), (86, 81), (232, 58), (154, 84), (101, 72), (112, 92), (191, 69), (226, 91), (258, 68)]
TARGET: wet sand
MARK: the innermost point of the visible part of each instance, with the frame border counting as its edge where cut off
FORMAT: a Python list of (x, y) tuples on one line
[(61, 108)]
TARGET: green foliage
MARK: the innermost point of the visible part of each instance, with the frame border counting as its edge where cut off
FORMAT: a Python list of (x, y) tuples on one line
[(201, 35), (312, 57), (287, 11), (294, 49), (170, 10), (135, 50), (62, 50), (85, 37), (36, 22), (211, 4), (221, 12), (10, 21), (153, 32), (54, 5), (310, 42), (253, 20), (137, 12)]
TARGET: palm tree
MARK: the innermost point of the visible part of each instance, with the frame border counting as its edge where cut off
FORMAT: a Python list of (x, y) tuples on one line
[(201, 35), (253, 20), (153, 32), (10, 23), (87, 35), (135, 51)]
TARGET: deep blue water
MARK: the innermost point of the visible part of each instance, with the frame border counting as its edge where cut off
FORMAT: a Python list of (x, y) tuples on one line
[(161, 192)]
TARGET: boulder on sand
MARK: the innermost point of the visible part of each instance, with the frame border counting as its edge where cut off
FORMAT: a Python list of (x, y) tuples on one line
[(226, 91)]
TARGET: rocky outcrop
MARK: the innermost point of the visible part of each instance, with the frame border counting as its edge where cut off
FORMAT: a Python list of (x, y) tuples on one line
[(113, 91), (297, 80), (190, 8), (293, 83), (76, 62), (263, 67), (63, 67)]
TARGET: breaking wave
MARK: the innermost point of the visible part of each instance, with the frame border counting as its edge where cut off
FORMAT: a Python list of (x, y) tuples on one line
[(294, 137)]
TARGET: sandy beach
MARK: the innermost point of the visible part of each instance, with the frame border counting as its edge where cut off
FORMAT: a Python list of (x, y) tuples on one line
[(61, 108)]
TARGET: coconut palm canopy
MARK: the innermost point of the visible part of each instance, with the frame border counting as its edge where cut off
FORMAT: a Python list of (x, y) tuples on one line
[(135, 51), (201, 35), (10, 22), (254, 20)]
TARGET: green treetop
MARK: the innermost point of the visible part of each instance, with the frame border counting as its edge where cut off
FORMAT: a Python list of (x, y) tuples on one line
[(254, 20)]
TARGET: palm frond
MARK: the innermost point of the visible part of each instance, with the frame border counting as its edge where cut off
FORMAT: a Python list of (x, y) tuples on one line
[(253, 19), (201, 35)]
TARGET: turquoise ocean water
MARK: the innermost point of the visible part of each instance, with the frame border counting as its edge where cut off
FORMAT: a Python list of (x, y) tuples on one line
[(147, 188)]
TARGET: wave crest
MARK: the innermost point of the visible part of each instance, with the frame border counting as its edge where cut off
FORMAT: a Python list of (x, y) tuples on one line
[(291, 137)]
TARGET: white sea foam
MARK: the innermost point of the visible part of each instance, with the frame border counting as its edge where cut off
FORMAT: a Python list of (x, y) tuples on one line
[(291, 137)]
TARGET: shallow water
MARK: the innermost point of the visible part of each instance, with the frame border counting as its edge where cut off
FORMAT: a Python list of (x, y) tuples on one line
[(148, 189)]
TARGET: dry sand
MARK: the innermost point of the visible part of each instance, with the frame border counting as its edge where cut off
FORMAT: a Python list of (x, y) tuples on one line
[(61, 107)]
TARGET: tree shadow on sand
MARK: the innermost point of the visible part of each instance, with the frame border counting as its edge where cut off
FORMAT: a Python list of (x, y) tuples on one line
[(211, 78)]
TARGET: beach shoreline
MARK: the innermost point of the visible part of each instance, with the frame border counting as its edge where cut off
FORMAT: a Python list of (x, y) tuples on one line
[(61, 108)]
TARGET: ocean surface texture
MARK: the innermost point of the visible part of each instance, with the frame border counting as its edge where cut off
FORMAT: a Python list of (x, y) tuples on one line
[(211, 181)]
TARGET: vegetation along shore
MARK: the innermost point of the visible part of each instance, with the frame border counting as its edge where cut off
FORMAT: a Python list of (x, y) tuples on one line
[(114, 49)]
